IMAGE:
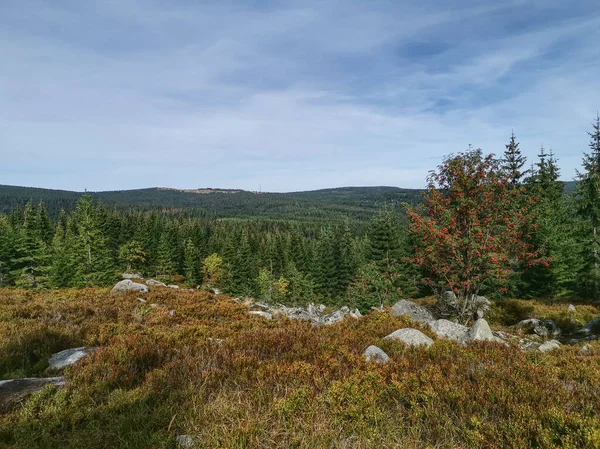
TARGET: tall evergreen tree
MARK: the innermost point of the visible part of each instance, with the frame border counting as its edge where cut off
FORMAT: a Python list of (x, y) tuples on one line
[(588, 207), (513, 161)]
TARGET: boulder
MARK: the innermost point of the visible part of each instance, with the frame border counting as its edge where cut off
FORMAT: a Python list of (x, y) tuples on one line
[(129, 286), (449, 329), (266, 315), (12, 392), (591, 328), (481, 331), (571, 308), (410, 337), (184, 441), (543, 328), (414, 311), (131, 276), (375, 354), (68, 357), (156, 283), (173, 286), (548, 346)]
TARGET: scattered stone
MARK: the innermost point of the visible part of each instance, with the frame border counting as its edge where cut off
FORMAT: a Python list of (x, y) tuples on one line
[(172, 313), (481, 331), (173, 286), (129, 286), (525, 344), (266, 315), (591, 328), (131, 276), (585, 350), (185, 441), (215, 340), (12, 392), (375, 354), (414, 311), (142, 300), (449, 329), (550, 345), (68, 357), (543, 328), (156, 283), (571, 308), (410, 337)]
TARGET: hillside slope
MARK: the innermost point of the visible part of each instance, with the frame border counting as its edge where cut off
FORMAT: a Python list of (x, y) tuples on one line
[(350, 202)]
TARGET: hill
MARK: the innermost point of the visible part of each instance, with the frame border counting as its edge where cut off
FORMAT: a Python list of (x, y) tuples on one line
[(346, 202)]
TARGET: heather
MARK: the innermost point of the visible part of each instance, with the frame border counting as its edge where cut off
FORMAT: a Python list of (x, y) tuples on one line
[(200, 365)]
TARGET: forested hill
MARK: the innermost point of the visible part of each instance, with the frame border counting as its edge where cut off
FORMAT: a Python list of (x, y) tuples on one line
[(326, 204)]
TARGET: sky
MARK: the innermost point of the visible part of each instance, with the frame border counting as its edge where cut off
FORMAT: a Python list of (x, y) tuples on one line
[(287, 95)]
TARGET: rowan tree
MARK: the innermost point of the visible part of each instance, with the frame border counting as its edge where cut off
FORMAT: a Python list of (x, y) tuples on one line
[(468, 235)]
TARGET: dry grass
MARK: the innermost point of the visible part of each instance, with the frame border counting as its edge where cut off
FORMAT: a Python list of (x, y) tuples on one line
[(278, 383)]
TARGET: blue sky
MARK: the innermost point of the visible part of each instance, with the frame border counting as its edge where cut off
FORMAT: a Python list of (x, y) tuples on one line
[(298, 95)]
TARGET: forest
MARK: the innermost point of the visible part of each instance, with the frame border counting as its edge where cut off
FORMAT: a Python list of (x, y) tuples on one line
[(363, 253)]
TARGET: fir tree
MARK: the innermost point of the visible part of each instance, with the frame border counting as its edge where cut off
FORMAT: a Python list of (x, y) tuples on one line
[(191, 262), (513, 161)]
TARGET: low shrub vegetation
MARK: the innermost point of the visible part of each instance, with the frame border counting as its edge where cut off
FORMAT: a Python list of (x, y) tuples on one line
[(200, 365)]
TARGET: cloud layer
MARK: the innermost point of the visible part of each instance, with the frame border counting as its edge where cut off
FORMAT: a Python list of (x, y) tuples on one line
[(286, 95)]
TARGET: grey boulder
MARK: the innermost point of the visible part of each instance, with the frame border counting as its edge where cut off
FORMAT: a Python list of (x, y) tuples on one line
[(410, 337), (543, 328), (68, 357), (12, 392), (129, 286), (449, 329), (375, 354), (548, 346), (184, 441), (481, 331), (156, 283), (414, 311), (260, 313)]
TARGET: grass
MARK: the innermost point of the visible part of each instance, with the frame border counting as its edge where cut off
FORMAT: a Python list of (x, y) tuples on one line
[(283, 384)]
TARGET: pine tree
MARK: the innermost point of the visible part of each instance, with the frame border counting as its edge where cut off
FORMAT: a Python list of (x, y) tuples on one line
[(588, 207), (513, 161)]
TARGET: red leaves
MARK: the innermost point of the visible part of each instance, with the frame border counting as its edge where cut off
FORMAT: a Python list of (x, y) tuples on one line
[(473, 226)]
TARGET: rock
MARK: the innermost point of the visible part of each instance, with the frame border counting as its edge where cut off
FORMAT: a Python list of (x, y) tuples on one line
[(449, 329), (131, 276), (331, 318), (482, 305), (142, 300), (591, 328), (266, 315), (184, 441), (129, 286), (550, 345), (571, 308), (481, 331), (356, 314), (525, 344), (543, 328), (215, 291), (375, 354), (172, 313), (12, 392), (410, 337), (155, 282), (585, 350), (414, 311), (68, 357), (262, 305), (173, 286)]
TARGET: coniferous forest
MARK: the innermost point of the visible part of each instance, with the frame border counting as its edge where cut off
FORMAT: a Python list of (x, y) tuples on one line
[(363, 258)]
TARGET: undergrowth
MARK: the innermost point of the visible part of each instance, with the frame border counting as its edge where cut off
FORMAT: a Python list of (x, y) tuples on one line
[(231, 380)]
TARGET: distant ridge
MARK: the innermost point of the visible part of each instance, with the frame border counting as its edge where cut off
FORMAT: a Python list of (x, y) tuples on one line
[(326, 204)]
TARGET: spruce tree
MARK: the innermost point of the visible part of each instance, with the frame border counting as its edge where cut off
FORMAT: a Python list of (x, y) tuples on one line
[(191, 262), (588, 208), (513, 161)]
